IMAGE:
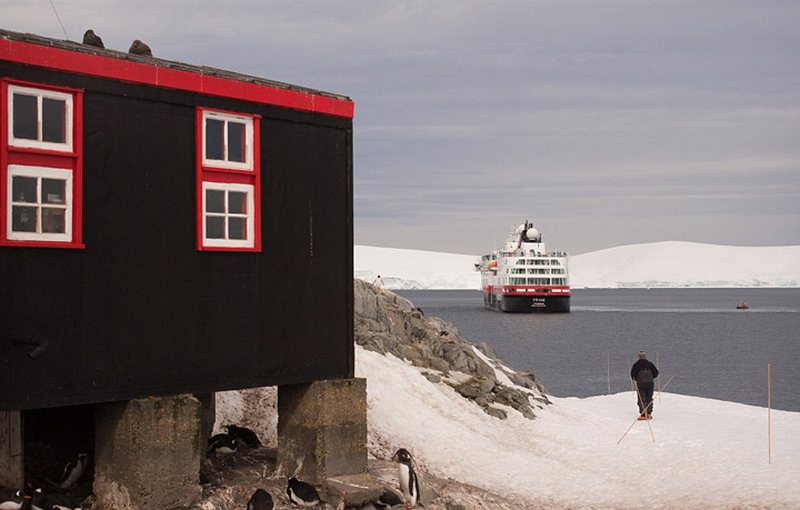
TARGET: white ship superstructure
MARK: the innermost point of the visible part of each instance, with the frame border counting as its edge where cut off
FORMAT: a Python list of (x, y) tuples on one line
[(523, 276)]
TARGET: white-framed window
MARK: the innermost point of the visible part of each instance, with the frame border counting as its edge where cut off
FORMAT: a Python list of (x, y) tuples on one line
[(40, 118), (40, 203), (228, 181), (227, 141), (228, 215)]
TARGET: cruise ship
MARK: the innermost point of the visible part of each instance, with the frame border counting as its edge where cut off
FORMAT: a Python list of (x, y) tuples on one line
[(523, 276)]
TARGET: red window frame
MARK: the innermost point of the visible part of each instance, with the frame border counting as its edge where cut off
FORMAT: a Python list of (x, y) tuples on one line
[(72, 161), (209, 172)]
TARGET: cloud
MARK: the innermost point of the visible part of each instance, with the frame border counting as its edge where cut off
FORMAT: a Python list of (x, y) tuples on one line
[(645, 118)]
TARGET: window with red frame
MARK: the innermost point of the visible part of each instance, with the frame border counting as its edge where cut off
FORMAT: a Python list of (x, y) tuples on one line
[(228, 181), (40, 166)]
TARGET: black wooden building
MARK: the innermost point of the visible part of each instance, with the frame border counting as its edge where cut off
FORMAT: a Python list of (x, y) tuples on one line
[(167, 228)]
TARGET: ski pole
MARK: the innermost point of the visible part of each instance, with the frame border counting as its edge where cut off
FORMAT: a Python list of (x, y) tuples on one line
[(646, 408), (658, 364), (651, 403)]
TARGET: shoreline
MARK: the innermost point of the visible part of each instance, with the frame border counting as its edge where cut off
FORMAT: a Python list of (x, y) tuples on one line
[(570, 454)]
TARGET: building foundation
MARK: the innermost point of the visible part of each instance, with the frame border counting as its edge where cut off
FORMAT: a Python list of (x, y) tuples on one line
[(12, 471), (148, 453), (322, 429)]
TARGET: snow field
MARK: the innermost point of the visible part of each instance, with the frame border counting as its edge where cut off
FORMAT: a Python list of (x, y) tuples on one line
[(707, 454), (664, 264)]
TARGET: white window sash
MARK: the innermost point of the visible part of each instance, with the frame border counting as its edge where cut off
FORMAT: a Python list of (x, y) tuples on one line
[(249, 242), (40, 94), (39, 173), (247, 164)]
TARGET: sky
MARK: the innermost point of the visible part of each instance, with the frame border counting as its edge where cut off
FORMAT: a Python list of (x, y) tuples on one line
[(605, 123)]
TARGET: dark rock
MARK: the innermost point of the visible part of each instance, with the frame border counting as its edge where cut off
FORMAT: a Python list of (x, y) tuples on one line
[(482, 401), (495, 412), (527, 380), (516, 399), (352, 490), (469, 390), (440, 365), (475, 387), (488, 350), (435, 379), (387, 323)]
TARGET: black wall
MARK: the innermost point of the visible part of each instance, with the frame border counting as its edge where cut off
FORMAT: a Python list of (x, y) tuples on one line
[(140, 311)]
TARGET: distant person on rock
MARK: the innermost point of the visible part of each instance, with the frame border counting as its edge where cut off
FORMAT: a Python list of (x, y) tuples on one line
[(644, 373), (378, 283)]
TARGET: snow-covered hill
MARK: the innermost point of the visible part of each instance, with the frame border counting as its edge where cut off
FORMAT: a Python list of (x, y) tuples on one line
[(415, 269), (574, 453), (683, 264), (662, 264), (696, 453)]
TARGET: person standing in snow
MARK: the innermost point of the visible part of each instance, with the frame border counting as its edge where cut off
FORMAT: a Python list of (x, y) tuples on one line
[(644, 373), (378, 283)]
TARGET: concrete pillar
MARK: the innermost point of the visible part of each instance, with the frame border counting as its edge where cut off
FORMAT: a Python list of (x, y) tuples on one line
[(12, 468), (323, 426), (209, 409), (148, 453)]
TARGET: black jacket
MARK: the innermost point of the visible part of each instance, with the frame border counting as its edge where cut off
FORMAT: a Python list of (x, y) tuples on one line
[(641, 365)]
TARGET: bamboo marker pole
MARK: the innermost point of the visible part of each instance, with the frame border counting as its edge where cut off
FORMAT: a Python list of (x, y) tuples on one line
[(658, 383), (769, 413), (608, 372)]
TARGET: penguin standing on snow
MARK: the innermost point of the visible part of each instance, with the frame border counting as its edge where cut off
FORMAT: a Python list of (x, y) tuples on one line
[(10, 499), (302, 493), (72, 472), (244, 435), (222, 443), (260, 500), (409, 483)]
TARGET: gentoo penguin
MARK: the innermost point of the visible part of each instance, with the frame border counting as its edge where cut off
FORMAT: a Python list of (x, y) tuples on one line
[(221, 443), (389, 499), (140, 48), (409, 483), (28, 494), (302, 493), (260, 500), (244, 435), (92, 39), (54, 501), (10, 499), (72, 472)]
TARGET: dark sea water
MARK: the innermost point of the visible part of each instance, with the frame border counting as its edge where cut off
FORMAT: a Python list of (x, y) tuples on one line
[(695, 335)]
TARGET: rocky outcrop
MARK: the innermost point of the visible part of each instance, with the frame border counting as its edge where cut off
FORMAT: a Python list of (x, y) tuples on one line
[(388, 323)]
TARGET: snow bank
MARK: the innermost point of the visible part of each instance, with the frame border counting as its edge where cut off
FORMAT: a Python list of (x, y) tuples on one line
[(706, 454), (414, 269), (683, 264), (665, 264)]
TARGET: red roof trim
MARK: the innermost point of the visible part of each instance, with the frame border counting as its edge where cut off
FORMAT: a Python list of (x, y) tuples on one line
[(135, 72)]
